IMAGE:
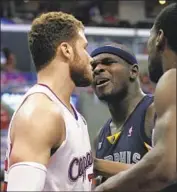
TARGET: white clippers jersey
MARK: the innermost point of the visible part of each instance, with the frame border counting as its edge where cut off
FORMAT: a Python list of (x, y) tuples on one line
[(71, 167)]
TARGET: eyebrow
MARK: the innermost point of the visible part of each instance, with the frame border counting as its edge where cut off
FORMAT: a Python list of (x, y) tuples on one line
[(108, 59)]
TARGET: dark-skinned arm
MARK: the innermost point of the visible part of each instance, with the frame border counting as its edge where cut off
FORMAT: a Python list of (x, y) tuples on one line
[(108, 168), (157, 169)]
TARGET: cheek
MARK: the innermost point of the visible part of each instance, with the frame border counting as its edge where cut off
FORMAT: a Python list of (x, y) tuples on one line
[(82, 56), (149, 45), (86, 55), (121, 77), (83, 62)]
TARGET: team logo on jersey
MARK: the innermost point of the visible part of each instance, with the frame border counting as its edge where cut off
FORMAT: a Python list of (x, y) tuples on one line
[(113, 138), (148, 147), (130, 131), (79, 166)]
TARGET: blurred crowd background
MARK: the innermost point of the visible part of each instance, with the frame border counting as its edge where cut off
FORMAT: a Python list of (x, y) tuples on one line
[(106, 21)]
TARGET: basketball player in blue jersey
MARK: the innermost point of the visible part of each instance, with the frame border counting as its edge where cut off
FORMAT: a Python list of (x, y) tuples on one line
[(43, 154), (126, 136), (157, 169)]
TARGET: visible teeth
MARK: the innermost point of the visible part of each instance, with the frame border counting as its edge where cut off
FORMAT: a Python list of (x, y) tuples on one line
[(101, 81)]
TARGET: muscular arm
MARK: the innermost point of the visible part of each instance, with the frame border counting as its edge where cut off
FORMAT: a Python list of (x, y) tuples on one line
[(36, 129), (109, 168), (149, 121), (157, 169)]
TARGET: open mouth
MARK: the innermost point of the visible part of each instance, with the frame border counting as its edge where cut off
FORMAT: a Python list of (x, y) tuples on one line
[(101, 82)]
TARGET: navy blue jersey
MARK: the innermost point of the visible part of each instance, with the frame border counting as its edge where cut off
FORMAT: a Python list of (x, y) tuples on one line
[(129, 145)]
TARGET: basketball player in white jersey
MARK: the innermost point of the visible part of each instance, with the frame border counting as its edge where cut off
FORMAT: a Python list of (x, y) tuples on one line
[(48, 141)]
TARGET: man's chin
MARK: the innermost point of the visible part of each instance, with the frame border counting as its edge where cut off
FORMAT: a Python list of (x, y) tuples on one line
[(155, 70), (104, 97)]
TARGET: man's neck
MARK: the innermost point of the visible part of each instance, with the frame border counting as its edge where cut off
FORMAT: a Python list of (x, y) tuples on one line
[(59, 81), (169, 60), (121, 109)]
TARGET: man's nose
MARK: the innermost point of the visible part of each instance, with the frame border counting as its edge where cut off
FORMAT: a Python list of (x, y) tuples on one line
[(98, 69)]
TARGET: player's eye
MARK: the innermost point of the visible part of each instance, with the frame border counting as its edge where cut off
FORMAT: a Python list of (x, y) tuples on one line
[(108, 61)]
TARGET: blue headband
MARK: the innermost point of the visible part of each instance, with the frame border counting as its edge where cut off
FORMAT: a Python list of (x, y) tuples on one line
[(116, 51)]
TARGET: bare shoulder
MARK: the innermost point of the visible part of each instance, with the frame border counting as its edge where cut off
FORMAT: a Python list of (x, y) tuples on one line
[(40, 116), (165, 94), (165, 106), (37, 127)]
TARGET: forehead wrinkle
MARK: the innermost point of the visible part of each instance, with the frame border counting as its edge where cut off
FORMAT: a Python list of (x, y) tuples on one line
[(99, 58)]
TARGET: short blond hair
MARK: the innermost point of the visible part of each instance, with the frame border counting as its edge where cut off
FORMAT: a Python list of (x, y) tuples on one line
[(47, 32)]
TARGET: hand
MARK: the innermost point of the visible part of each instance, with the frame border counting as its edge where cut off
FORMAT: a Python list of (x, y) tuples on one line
[(98, 180), (102, 188), (110, 184), (99, 188), (106, 186)]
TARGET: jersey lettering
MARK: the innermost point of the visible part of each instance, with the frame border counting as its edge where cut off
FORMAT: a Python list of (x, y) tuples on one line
[(109, 157), (136, 157), (78, 167), (69, 167), (124, 157)]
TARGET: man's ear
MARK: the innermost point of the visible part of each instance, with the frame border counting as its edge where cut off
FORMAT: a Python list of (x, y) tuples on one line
[(134, 72), (66, 50), (160, 40)]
